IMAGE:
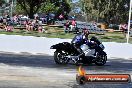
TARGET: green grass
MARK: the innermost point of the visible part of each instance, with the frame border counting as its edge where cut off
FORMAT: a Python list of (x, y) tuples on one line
[(114, 37), (54, 32)]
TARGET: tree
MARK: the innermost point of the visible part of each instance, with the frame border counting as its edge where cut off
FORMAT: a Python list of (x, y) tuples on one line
[(2, 2), (30, 6), (33, 6), (19, 9), (108, 9), (48, 7), (63, 7)]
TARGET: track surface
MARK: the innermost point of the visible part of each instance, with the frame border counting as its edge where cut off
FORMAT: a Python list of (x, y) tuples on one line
[(40, 71)]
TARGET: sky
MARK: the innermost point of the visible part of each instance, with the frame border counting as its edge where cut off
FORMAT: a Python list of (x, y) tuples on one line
[(76, 9), (74, 1)]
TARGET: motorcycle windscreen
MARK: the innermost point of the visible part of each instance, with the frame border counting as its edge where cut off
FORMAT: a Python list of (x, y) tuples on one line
[(102, 46)]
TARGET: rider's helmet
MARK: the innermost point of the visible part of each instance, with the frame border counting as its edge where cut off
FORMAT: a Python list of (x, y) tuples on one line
[(86, 32)]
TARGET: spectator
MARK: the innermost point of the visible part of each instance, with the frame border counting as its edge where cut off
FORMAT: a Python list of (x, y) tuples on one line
[(29, 26), (1, 19), (37, 26), (9, 27), (4, 21), (61, 17), (124, 29), (94, 24), (25, 23), (36, 16), (67, 26), (40, 28), (15, 19), (45, 19), (73, 25)]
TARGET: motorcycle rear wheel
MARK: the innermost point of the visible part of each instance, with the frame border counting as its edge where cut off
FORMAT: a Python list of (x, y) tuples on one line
[(60, 57)]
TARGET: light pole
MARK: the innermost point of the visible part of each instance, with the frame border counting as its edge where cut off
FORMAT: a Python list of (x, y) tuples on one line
[(11, 8), (130, 11)]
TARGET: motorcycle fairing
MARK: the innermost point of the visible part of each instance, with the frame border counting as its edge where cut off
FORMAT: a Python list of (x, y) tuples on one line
[(61, 46)]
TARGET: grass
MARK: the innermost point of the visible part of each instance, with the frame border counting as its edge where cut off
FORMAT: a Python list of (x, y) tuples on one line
[(54, 32)]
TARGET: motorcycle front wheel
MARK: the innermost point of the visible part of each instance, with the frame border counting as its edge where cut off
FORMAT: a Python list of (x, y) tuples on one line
[(101, 60), (60, 57)]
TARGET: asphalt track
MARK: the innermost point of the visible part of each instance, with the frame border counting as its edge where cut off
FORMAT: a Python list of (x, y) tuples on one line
[(39, 71), (28, 66)]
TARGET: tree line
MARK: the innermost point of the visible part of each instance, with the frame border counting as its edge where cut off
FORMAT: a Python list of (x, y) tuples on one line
[(111, 11), (31, 7)]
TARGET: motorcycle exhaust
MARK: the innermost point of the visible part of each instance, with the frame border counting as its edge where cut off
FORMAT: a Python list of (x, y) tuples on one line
[(75, 59)]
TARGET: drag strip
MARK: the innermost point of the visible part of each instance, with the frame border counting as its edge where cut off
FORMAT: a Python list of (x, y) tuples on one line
[(40, 71)]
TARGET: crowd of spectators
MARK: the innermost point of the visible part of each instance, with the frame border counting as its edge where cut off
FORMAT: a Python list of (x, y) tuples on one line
[(8, 23), (70, 25)]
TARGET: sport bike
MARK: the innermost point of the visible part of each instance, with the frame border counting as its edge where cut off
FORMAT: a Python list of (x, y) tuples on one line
[(93, 53)]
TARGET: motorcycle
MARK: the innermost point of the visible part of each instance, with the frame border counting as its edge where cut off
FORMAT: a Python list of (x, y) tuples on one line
[(93, 53)]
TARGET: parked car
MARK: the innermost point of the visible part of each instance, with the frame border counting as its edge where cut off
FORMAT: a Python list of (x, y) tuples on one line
[(114, 26), (22, 20)]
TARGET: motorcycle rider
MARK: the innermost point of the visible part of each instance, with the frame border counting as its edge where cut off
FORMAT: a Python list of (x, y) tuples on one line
[(81, 39)]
